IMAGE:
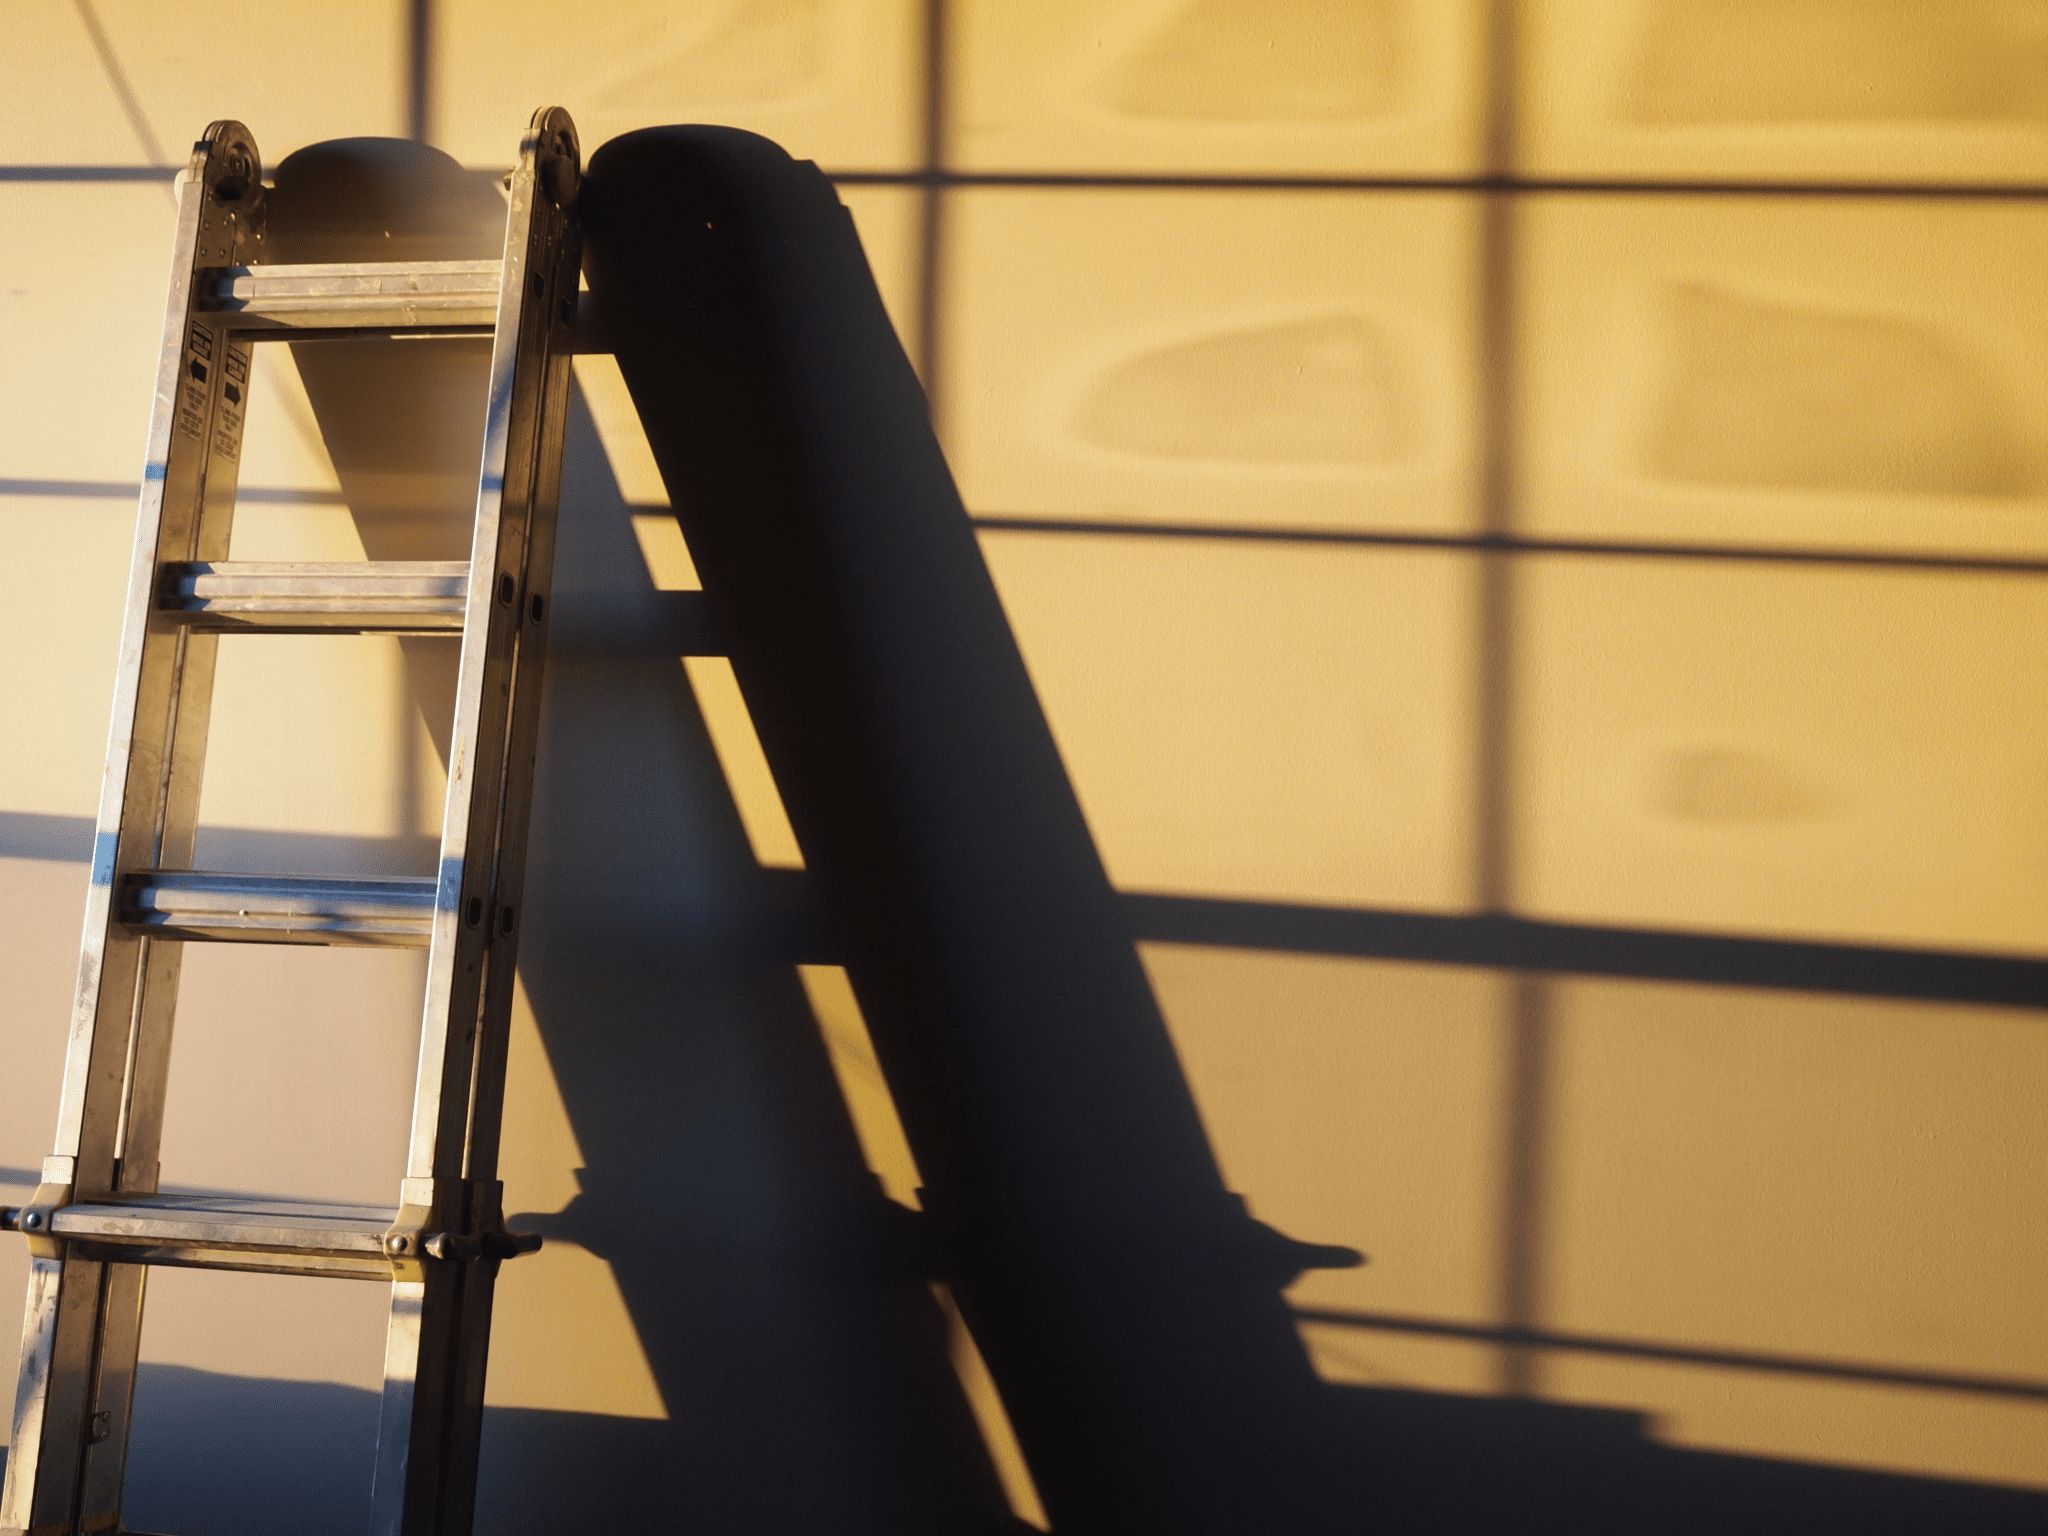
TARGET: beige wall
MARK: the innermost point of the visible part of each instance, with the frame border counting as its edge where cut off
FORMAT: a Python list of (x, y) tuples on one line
[(1340, 705)]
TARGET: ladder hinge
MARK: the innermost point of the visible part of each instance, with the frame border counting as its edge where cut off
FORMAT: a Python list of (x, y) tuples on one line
[(454, 1221), (36, 1220)]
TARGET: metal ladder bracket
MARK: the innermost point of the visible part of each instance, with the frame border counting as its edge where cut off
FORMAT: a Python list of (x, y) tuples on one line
[(36, 1221)]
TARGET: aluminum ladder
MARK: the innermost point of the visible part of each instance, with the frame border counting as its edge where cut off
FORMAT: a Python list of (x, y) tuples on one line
[(98, 1222)]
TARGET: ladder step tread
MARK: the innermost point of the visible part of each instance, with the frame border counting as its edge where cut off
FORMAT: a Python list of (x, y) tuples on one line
[(290, 1237), (356, 295), (307, 596), (388, 911), (475, 269), (227, 1222)]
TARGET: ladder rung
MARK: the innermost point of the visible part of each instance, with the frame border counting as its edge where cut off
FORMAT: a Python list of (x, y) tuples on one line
[(441, 296), (301, 597), (229, 1232), (395, 912)]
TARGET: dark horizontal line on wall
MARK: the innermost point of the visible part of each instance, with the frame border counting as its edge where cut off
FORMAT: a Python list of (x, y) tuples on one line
[(1198, 181), (1679, 1354), (1570, 186), (88, 173), (1996, 565), (27, 1179), (47, 837), (127, 490), (1478, 941), (1474, 543), (1501, 942), (1508, 544)]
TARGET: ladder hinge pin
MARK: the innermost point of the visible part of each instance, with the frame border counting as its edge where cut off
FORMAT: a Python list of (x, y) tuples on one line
[(453, 1245)]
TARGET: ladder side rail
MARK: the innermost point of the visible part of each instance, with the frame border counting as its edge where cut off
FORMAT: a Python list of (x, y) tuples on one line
[(470, 1347), (148, 798), (463, 896), (428, 1300), (522, 734), (149, 1053)]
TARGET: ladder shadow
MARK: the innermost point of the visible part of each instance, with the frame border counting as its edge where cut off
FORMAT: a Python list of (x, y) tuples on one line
[(774, 1297), (1129, 1307)]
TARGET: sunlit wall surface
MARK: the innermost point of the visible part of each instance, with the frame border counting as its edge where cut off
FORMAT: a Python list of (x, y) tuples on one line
[(1527, 522)]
